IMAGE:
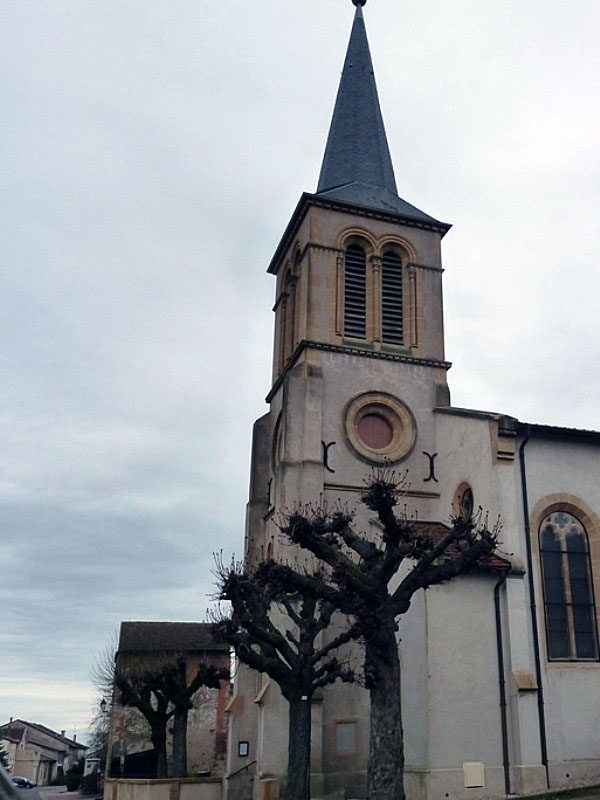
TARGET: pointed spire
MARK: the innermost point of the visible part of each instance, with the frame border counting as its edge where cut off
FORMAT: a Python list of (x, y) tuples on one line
[(357, 148), (357, 166)]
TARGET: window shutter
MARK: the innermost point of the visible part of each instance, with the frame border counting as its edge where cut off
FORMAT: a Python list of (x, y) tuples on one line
[(391, 299), (355, 290)]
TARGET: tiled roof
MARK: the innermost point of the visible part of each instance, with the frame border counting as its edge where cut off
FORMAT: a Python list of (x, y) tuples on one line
[(14, 731), (437, 530), (168, 636)]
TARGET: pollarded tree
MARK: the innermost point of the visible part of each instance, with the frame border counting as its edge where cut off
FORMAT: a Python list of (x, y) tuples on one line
[(175, 687), (164, 692), (144, 691), (275, 630), (363, 582)]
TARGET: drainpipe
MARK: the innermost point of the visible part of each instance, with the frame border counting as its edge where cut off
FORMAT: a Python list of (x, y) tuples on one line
[(534, 624), (502, 684)]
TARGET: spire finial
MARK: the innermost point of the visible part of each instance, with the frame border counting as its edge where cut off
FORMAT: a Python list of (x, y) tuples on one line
[(359, 2)]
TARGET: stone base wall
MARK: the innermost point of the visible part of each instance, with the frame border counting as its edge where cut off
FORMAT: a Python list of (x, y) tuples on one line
[(167, 789)]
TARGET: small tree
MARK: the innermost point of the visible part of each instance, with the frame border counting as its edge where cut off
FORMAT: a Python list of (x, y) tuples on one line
[(144, 691), (180, 693), (361, 573), (161, 693), (275, 630), (103, 677), (3, 757)]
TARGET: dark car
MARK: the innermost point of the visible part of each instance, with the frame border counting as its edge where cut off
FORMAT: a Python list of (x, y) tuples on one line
[(23, 783), (8, 791)]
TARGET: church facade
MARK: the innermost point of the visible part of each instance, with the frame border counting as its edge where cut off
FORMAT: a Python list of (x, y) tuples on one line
[(500, 669)]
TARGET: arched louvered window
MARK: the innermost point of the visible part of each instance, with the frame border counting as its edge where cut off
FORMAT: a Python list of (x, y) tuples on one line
[(568, 595), (391, 299), (355, 292), (290, 316)]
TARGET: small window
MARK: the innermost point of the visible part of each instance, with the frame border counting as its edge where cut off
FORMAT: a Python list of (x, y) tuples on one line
[(466, 504), (355, 292), (346, 738), (463, 504), (568, 594)]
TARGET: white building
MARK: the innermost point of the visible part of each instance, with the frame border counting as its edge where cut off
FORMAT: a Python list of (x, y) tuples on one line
[(501, 676)]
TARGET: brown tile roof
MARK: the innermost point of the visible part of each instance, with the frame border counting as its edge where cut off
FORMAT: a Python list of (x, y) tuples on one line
[(155, 637), (14, 731), (437, 530)]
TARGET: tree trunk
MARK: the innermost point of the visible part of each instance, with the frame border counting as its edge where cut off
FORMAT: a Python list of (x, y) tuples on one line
[(298, 774), (385, 777), (159, 743), (180, 718)]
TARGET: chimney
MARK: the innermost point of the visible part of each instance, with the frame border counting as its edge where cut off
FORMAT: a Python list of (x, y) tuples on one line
[(74, 737), (62, 733)]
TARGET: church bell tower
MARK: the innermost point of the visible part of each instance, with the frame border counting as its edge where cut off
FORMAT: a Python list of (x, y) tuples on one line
[(358, 358), (358, 369)]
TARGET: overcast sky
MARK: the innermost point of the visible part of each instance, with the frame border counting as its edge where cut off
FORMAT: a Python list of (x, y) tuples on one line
[(153, 151)]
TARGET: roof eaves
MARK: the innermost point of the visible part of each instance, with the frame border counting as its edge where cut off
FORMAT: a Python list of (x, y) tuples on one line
[(54, 735), (289, 232), (492, 563), (307, 199), (163, 637), (555, 432)]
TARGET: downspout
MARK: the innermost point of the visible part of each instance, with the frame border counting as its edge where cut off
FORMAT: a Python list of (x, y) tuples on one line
[(534, 624), (502, 684)]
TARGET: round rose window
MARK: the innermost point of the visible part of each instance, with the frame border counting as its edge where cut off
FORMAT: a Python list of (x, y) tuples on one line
[(375, 431), (380, 428)]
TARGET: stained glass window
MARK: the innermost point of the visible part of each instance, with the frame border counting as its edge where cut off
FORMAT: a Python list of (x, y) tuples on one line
[(568, 594)]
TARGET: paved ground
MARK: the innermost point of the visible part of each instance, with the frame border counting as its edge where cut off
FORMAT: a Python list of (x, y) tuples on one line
[(51, 793)]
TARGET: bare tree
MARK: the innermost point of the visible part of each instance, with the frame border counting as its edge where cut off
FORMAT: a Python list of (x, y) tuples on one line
[(161, 693), (360, 573), (275, 630), (145, 692), (180, 693), (102, 675)]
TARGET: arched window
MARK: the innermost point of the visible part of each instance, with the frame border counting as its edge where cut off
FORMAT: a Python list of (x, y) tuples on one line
[(568, 595), (289, 333), (463, 504), (286, 319), (373, 301), (391, 299), (355, 292)]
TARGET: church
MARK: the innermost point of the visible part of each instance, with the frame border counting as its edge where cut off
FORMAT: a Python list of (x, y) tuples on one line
[(500, 669)]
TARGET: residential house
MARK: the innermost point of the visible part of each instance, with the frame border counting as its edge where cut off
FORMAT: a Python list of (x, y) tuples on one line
[(37, 752)]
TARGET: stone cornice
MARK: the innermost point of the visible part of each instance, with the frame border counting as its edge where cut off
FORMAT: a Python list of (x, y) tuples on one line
[(413, 265), (306, 344), (326, 247), (345, 487), (307, 200)]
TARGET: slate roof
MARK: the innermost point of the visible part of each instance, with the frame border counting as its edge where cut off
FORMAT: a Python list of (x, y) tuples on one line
[(557, 432), (357, 165), (511, 425), (154, 637)]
